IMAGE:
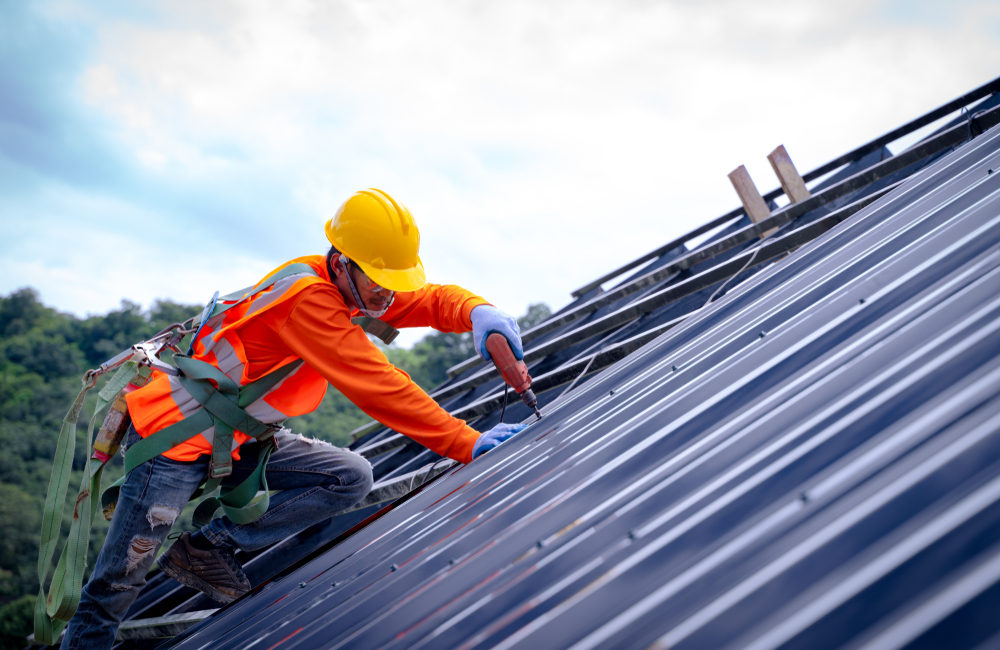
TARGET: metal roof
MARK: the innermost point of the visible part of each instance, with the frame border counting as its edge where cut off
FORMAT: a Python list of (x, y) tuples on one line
[(747, 442)]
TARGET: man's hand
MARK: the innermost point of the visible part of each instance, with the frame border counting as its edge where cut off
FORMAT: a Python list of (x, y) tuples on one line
[(495, 436), (487, 319)]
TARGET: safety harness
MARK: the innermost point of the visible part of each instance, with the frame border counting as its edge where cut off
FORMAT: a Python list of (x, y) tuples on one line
[(223, 403)]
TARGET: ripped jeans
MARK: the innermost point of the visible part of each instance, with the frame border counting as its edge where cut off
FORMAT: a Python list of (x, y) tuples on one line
[(316, 480)]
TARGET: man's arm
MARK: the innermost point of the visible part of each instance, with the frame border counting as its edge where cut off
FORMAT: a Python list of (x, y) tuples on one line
[(450, 308), (444, 307), (318, 329)]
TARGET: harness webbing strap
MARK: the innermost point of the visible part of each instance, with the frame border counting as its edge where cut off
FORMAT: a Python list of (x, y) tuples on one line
[(250, 393), (221, 402), (378, 328), (52, 609), (168, 437), (151, 447), (165, 439), (238, 503), (171, 436)]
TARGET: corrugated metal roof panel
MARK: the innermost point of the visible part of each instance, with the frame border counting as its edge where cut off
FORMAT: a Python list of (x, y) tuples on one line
[(811, 460)]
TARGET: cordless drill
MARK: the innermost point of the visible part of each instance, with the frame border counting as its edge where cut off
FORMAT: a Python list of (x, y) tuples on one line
[(513, 371)]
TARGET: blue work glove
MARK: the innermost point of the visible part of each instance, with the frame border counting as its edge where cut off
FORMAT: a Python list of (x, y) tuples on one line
[(495, 436), (487, 319)]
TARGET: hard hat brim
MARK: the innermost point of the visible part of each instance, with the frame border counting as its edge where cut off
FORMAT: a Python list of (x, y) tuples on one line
[(409, 279)]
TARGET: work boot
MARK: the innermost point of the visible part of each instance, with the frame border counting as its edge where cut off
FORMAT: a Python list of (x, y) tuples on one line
[(214, 572)]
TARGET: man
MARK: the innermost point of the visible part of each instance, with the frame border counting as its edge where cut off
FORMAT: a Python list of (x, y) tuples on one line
[(374, 269)]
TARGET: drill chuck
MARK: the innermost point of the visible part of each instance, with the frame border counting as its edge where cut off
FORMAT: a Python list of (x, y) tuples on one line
[(528, 396), (513, 370)]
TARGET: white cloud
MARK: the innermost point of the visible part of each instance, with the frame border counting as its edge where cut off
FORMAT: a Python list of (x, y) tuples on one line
[(538, 144)]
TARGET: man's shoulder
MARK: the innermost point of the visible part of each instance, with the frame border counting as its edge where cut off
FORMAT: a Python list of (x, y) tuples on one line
[(309, 264), (297, 275)]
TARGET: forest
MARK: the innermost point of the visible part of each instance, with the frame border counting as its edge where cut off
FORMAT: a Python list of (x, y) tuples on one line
[(43, 355)]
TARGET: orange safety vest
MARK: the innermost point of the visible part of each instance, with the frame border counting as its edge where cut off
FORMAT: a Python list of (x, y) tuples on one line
[(222, 342)]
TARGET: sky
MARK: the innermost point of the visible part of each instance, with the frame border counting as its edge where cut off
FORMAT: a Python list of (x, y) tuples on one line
[(162, 150)]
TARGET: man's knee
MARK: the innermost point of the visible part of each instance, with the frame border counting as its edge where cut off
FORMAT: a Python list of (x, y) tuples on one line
[(350, 477), (356, 474), (347, 473)]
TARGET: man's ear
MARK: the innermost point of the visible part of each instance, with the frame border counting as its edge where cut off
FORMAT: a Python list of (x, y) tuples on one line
[(337, 264)]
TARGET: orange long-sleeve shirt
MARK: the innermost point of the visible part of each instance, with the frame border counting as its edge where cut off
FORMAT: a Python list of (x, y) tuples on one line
[(313, 323)]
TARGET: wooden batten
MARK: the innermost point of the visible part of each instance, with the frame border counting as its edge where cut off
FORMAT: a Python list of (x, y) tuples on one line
[(751, 199), (788, 176)]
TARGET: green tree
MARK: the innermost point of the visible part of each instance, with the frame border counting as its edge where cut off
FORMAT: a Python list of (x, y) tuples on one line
[(102, 337), (333, 421), (19, 539), (428, 361), (21, 312), (537, 312), (16, 622), (167, 312)]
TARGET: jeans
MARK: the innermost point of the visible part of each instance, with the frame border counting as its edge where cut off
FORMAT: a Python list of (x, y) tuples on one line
[(316, 480)]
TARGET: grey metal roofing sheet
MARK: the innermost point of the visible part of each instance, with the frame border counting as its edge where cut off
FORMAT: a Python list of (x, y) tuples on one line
[(809, 460)]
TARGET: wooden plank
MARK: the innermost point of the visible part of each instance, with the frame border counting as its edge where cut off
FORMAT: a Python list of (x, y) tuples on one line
[(161, 627), (753, 202), (788, 176)]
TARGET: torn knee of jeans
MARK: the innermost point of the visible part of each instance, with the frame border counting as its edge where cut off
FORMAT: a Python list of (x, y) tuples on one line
[(312, 441), (118, 586), (162, 516), (138, 550)]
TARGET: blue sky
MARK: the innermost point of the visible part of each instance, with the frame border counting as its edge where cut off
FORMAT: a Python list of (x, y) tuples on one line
[(167, 149)]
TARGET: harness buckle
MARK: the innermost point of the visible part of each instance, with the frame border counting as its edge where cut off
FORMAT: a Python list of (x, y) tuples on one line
[(220, 471)]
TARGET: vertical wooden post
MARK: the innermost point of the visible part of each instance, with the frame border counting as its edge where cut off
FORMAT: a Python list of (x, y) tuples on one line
[(751, 199), (791, 181)]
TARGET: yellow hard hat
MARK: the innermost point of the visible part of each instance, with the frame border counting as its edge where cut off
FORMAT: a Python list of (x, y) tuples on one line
[(379, 235)]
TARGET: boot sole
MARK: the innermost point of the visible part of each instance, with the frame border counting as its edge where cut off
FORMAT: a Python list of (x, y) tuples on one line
[(189, 579)]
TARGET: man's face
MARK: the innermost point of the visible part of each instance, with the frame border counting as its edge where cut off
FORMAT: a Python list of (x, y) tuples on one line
[(375, 297)]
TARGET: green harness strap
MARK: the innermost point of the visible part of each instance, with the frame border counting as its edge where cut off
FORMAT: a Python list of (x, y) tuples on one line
[(225, 411), (55, 606)]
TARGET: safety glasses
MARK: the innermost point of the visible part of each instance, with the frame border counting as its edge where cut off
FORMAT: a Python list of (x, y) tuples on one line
[(362, 280)]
